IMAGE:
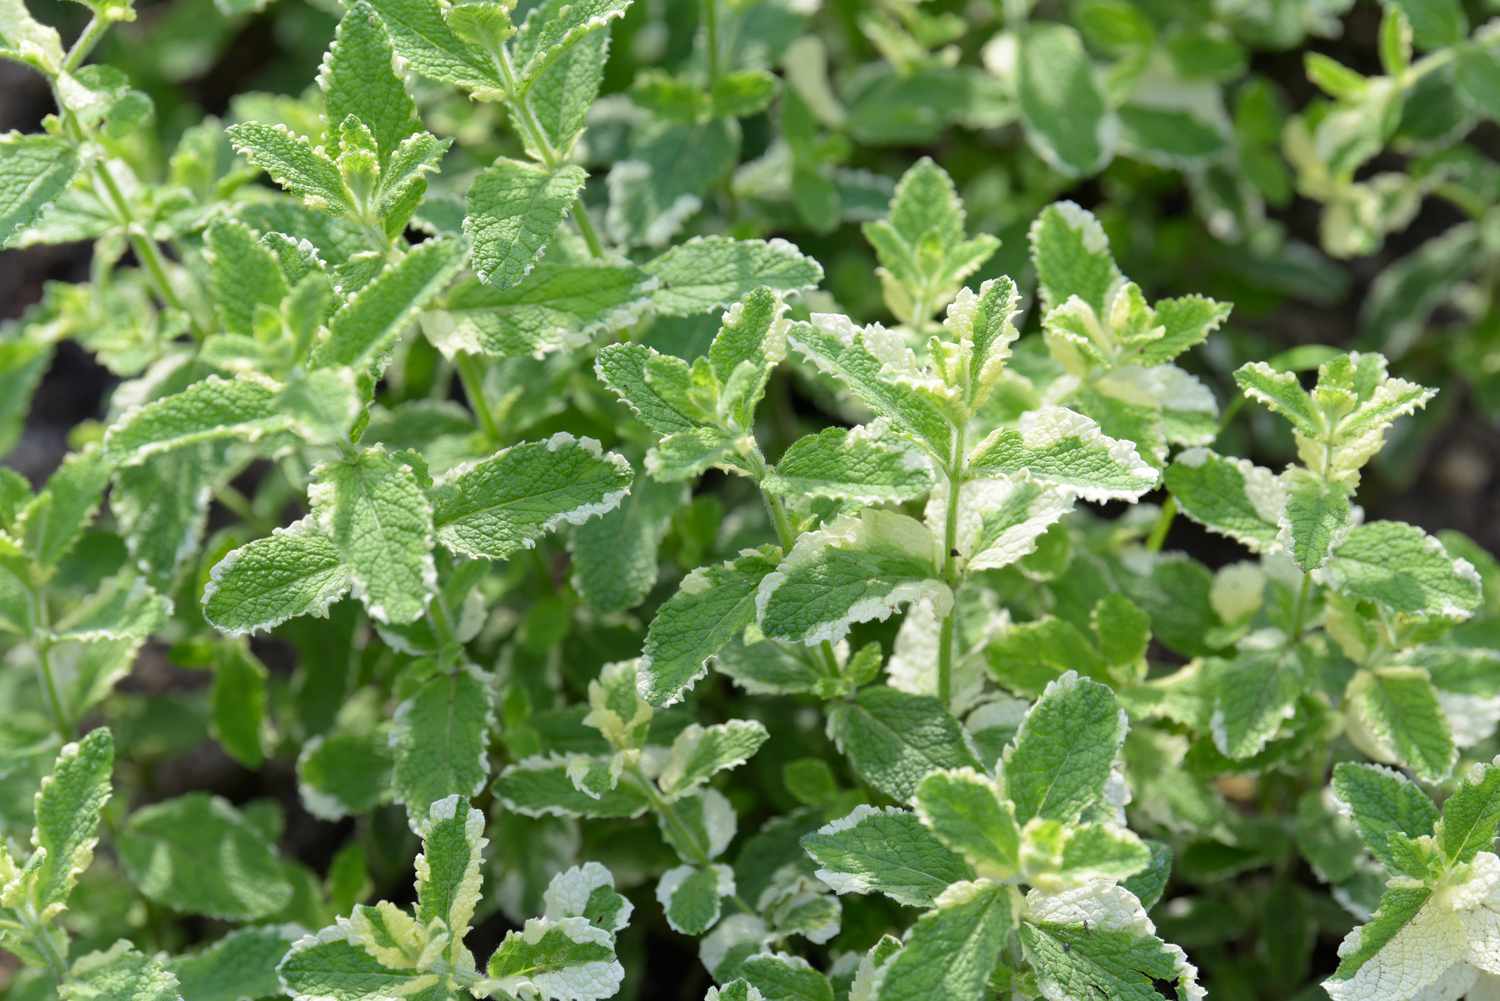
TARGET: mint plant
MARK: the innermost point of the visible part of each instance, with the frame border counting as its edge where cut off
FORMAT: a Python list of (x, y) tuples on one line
[(599, 499)]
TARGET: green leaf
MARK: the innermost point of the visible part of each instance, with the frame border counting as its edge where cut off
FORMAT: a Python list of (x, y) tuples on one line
[(540, 786), (239, 704), (567, 959), (1384, 805), (358, 78), (561, 96), (293, 571), (498, 506), (240, 965), (371, 505), (1470, 816), (51, 523), (1280, 392), (362, 332), (441, 740), (857, 568), (668, 168), (1097, 941), (699, 753), (556, 307), (25, 39), (781, 977), (692, 897), (1071, 255), (893, 740), (1254, 694), (966, 812), (119, 973), (588, 891), (884, 851), (554, 27), (34, 169), (709, 272), (294, 163), (198, 855), (1063, 448), (68, 806), (246, 407), (335, 964), (750, 343), (1402, 568), (1058, 857), (1062, 105), (1060, 763), (1315, 517), (1434, 23), (1394, 716), (513, 208), (952, 950), (615, 555), (862, 464), (1476, 72), (877, 367), (626, 369), (246, 275), (1232, 497), (712, 606), (448, 869), (422, 37), (344, 774)]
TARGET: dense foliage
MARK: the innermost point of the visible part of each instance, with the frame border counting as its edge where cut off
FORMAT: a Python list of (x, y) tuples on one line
[(584, 509)]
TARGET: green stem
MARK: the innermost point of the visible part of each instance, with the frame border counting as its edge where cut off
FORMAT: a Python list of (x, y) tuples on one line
[(36, 931), (442, 623), (525, 118), (711, 30), (785, 537), (1299, 613), (687, 837), (948, 634), (44, 667), (92, 33), (472, 377), (1163, 525)]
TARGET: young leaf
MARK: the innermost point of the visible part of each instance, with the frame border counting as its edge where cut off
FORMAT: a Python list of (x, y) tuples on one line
[(588, 891), (119, 973), (1315, 517), (422, 37), (371, 505), (448, 874), (884, 851), (294, 163), (1470, 816), (498, 506), (1394, 716), (293, 571), (1076, 722), (692, 897), (68, 806), (712, 606), (363, 330), (893, 740), (513, 210), (1383, 804), (358, 78), (51, 523), (699, 753), (967, 813), (541, 786), (1072, 258), (246, 275), (556, 26), (566, 960)]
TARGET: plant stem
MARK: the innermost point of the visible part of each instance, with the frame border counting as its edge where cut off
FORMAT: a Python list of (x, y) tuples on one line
[(44, 667), (1163, 525), (948, 632), (92, 33), (472, 377), (688, 838), (36, 931), (711, 30), (526, 121), (1299, 612)]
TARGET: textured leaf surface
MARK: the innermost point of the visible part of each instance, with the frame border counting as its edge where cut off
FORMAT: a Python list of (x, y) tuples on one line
[(372, 507), (421, 37), (441, 740), (1062, 103), (568, 959), (884, 851), (1404, 569), (358, 78), (1383, 803), (615, 555), (1255, 693), (711, 607), (1063, 754), (514, 207), (240, 965), (1066, 449), (68, 807), (858, 568), (498, 506), (119, 973), (1394, 716), (893, 739), (34, 171), (1230, 496), (708, 272), (953, 949), (964, 809), (293, 571), (700, 752), (861, 465), (292, 162)]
